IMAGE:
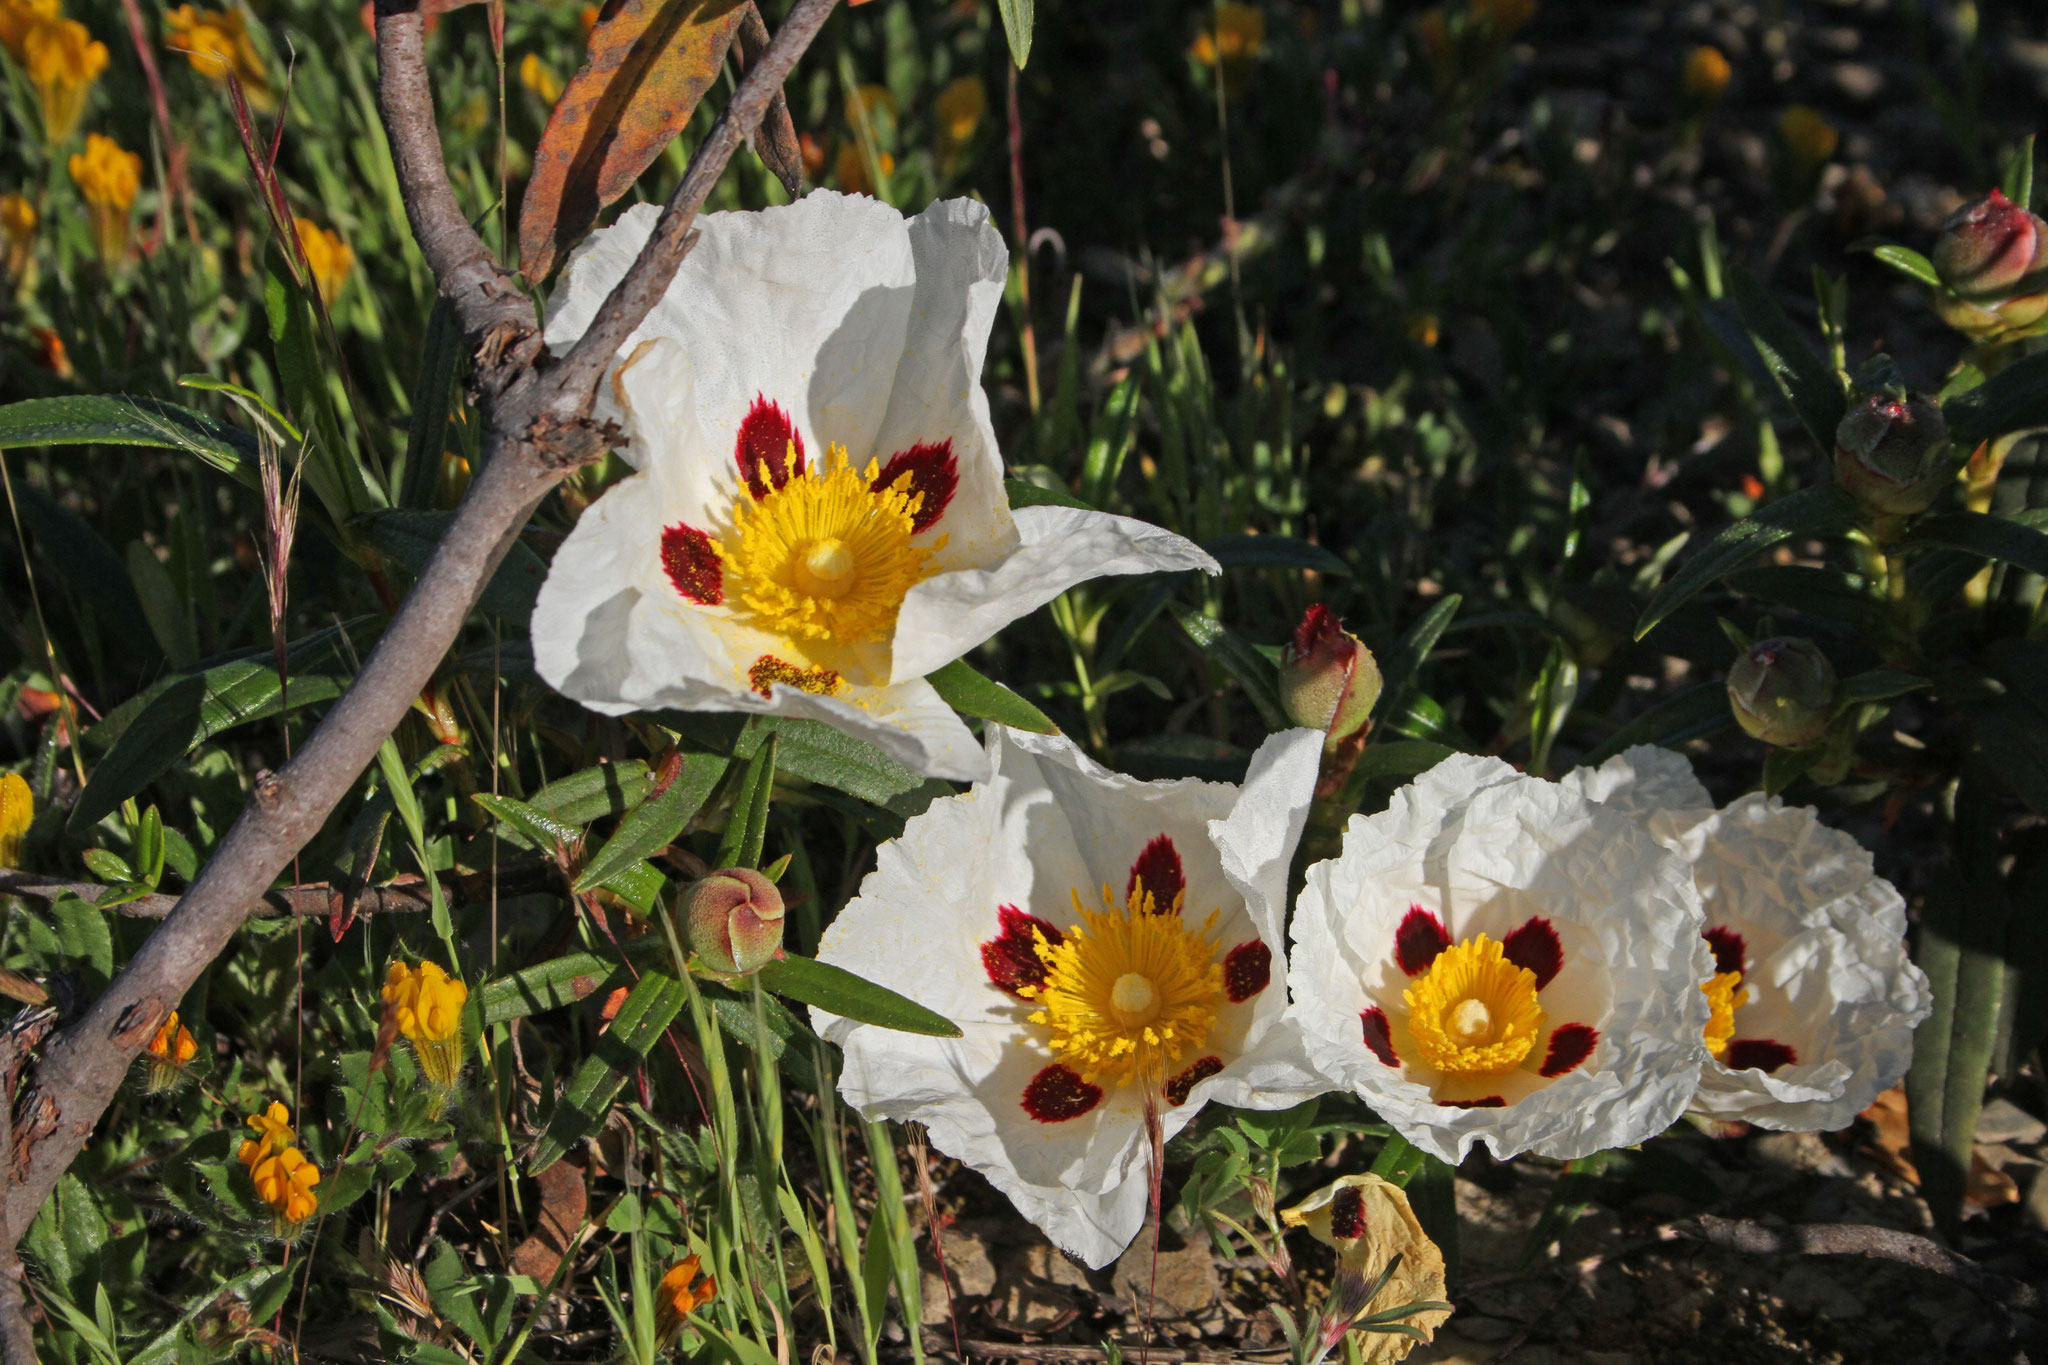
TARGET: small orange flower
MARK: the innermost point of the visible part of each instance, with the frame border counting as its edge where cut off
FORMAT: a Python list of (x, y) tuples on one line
[(537, 76), (1233, 44), (217, 44), (850, 168), (109, 178), (51, 355), (327, 257), (678, 1298), (17, 236), (1811, 138), (64, 62), (959, 107), (285, 1182), (1706, 75), (273, 1129), (169, 1052), (15, 18), (586, 19)]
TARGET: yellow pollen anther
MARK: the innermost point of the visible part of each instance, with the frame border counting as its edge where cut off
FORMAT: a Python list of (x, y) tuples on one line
[(1474, 1013), (1724, 996), (1133, 1000)]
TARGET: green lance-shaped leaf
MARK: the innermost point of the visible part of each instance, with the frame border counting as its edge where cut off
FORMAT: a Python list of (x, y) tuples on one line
[(545, 986), (1987, 537), (1905, 260), (1698, 710), (533, 828), (648, 1009), (1017, 15), (120, 420), (1402, 758), (184, 713), (748, 832), (1879, 684), (1024, 493), (2014, 399), (654, 824), (838, 991), (970, 693), (1239, 659), (595, 792), (1274, 552), (1823, 510), (1806, 380), (1402, 663)]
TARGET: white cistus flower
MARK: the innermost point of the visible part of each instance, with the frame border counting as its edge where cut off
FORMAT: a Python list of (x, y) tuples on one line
[(1106, 945), (818, 520), (1496, 957), (1814, 999)]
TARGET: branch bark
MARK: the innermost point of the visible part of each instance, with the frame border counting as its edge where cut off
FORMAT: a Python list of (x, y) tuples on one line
[(313, 900), (537, 424), (1860, 1239)]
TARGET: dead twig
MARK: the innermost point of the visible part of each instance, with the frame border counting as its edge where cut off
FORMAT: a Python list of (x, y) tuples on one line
[(313, 900), (1858, 1239)]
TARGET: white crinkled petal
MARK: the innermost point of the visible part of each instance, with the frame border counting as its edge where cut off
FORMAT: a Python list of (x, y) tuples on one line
[(1484, 847), (1046, 821), (950, 613), (1647, 782)]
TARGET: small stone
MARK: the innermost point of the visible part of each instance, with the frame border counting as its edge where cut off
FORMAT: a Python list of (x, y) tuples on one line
[(2004, 1121), (1857, 81), (2036, 1209), (1183, 1284)]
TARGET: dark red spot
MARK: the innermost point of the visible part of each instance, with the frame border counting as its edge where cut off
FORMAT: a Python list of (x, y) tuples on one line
[(927, 469), (1178, 1089), (1347, 1215), (769, 451), (1378, 1036), (1490, 1102), (1058, 1093), (1011, 957), (1246, 970), (1765, 1054), (1570, 1044), (1535, 946), (1419, 939), (1729, 949), (693, 565), (1158, 871)]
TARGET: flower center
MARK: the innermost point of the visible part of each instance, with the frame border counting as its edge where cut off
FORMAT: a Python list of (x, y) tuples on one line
[(1724, 996), (1127, 991), (1474, 1013), (827, 556)]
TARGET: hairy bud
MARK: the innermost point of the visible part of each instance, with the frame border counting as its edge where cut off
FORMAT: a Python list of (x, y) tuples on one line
[(1783, 691), (1328, 680), (734, 919), (1890, 453)]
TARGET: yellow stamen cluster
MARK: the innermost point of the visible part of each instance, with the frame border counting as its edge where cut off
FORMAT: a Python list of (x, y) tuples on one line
[(217, 44), (681, 1295), (17, 811), (827, 557), (1474, 1013), (63, 62), (284, 1179), (108, 178), (426, 1003), (1128, 991), (169, 1052), (327, 257), (1724, 997)]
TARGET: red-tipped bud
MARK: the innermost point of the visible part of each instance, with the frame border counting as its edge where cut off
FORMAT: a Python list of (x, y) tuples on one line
[(1783, 691), (1891, 453), (1328, 680), (1991, 249), (734, 918)]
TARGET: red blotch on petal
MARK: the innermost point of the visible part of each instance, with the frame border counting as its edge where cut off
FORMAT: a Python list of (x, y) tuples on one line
[(1178, 1089), (1158, 870), (1011, 957), (1729, 949), (1490, 1102), (1419, 939), (1378, 1036), (1570, 1044), (1347, 1215), (1764, 1054), (1058, 1093), (769, 450), (927, 469), (1535, 946), (693, 564), (1246, 970)]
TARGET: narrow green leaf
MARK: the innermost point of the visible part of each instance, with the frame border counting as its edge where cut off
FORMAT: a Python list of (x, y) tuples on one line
[(440, 355), (544, 986), (1879, 684), (838, 991), (1822, 510), (1402, 758), (653, 825), (967, 691), (1698, 710), (119, 420), (1907, 262), (1274, 552), (2014, 399), (2018, 180), (535, 829), (1239, 659), (648, 1009), (1401, 664), (1023, 493), (1986, 536), (1806, 380), (744, 837), (606, 789), (1017, 28)]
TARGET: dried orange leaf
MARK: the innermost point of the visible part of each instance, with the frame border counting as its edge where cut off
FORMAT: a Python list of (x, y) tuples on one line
[(650, 62)]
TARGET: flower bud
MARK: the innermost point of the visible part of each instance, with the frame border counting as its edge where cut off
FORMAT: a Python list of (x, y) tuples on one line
[(1328, 680), (1890, 453), (1991, 249), (734, 920), (1783, 691)]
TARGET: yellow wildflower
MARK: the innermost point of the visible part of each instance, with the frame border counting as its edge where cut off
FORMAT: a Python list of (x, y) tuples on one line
[(17, 809), (1233, 44), (850, 168), (285, 1182), (17, 236), (273, 1129), (678, 1298), (537, 76), (1706, 75), (108, 178), (169, 1051), (327, 256), (217, 44), (63, 62), (427, 1005), (1811, 138), (959, 109), (15, 18)]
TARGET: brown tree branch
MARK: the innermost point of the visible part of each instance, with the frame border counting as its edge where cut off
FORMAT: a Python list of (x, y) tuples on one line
[(1860, 1239), (536, 429), (313, 900)]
